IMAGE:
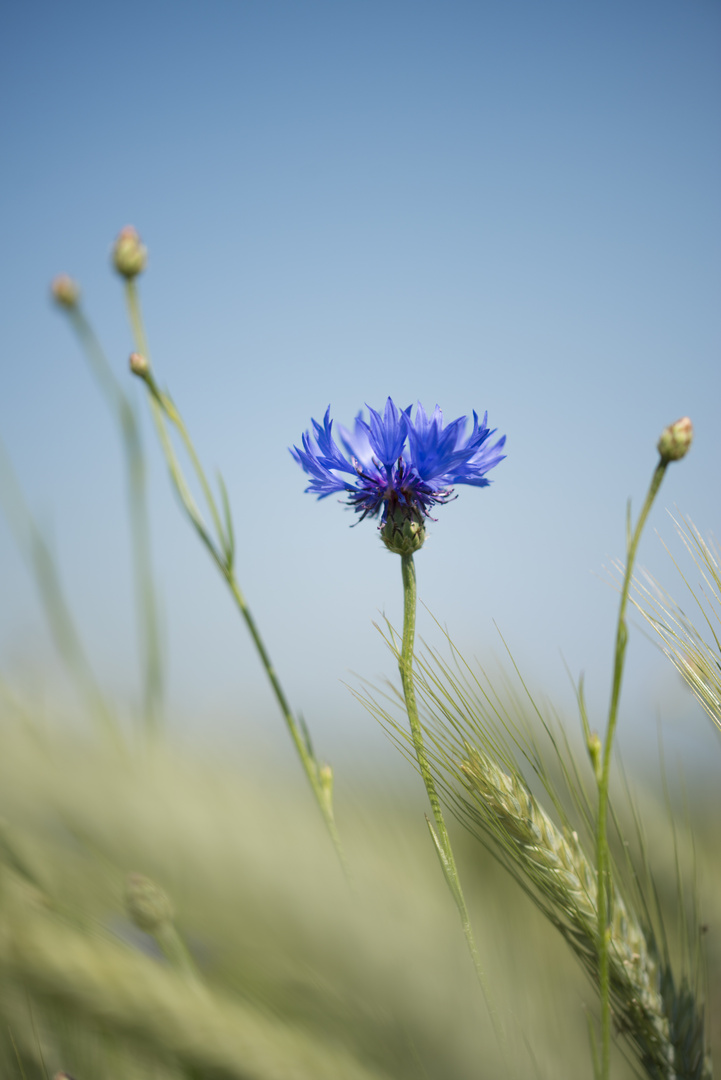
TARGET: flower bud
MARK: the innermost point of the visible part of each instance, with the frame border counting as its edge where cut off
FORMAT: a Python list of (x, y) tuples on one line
[(65, 291), (325, 776), (593, 744), (676, 440), (139, 364), (129, 255), (147, 904), (403, 532)]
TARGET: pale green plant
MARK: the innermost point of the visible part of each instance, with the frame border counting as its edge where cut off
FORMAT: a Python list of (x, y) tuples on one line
[(376, 980), (554, 862), (290, 983), (477, 735), (103, 982), (672, 446), (693, 645), (439, 834), (219, 537), (58, 612), (67, 295)]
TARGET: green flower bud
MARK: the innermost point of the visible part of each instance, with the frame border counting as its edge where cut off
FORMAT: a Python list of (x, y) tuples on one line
[(139, 364), (676, 440), (325, 775), (147, 904), (594, 752), (65, 291), (403, 532), (129, 255)]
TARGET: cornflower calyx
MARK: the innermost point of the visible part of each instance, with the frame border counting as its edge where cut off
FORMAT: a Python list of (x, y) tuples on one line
[(403, 531), (397, 467)]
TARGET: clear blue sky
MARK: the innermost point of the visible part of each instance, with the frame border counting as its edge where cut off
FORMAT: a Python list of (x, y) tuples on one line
[(509, 206)]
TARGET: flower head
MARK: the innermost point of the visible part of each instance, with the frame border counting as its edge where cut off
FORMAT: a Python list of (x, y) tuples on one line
[(129, 255), (676, 440), (65, 291), (396, 467)]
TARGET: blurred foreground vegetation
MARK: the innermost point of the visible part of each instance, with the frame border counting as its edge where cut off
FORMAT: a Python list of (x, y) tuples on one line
[(300, 975), (180, 914)]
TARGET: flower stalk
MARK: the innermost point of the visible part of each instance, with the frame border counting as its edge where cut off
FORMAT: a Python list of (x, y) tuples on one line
[(57, 609), (222, 551), (67, 296), (672, 446), (397, 467), (439, 834)]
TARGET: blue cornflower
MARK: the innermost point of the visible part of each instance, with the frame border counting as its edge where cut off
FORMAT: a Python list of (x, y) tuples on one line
[(397, 467)]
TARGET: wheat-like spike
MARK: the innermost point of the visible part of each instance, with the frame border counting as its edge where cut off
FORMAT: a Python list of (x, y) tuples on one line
[(143, 1002), (553, 860)]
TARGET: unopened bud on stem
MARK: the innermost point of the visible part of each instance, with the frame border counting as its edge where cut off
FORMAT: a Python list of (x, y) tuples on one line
[(139, 364), (595, 749), (66, 292), (325, 775), (675, 440), (129, 255)]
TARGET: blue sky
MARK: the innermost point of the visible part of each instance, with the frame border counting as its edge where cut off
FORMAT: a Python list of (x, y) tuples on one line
[(504, 206)]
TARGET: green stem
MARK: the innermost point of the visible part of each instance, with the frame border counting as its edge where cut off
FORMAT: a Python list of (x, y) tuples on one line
[(603, 867), (319, 777), (146, 599), (439, 835), (57, 610), (174, 416), (176, 951)]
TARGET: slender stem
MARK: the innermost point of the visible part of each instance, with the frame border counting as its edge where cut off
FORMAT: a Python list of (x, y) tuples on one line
[(57, 610), (176, 951), (146, 599), (603, 867), (136, 320), (163, 409), (440, 835)]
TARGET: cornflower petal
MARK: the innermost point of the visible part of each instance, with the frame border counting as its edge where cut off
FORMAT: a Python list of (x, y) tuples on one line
[(387, 433), (332, 457), (357, 442), (322, 481), (473, 471), (398, 467), (435, 450)]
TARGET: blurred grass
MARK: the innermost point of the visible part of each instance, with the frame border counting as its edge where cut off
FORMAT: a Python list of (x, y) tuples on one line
[(302, 977)]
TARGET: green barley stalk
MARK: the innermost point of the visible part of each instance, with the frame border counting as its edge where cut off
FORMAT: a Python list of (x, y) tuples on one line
[(659, 1013), (672, 446), (439, 834), (134, 999), (694, 652), (554, 863)]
